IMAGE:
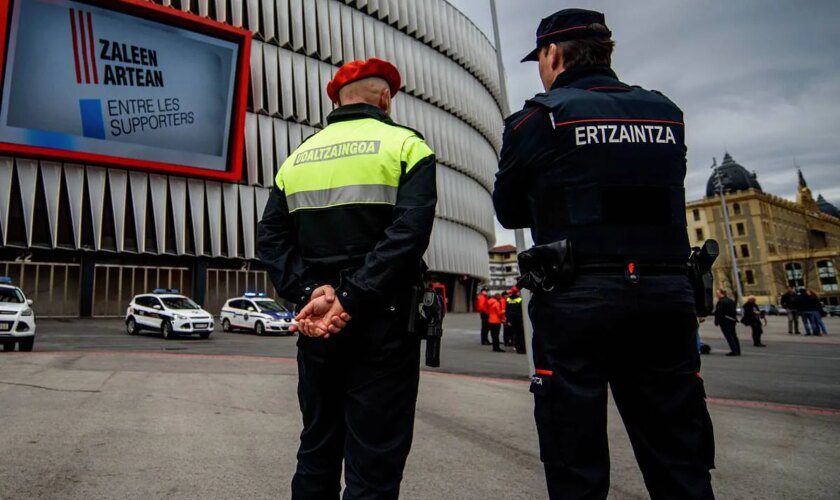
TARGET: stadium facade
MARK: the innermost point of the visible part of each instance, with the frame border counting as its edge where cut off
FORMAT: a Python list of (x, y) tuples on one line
[(82, 238)]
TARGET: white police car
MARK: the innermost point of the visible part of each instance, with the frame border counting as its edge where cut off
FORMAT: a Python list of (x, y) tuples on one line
[(17, 321), (167, 312), (257, 313)]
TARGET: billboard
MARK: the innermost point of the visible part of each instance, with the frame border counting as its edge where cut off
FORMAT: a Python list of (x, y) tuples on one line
[(123, 83)]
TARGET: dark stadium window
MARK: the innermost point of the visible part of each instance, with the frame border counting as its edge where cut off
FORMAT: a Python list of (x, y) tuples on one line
[(745, 251), (750, 277)]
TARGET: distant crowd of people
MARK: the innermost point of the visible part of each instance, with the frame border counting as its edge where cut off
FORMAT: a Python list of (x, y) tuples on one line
[(501, 315), (803, 304)]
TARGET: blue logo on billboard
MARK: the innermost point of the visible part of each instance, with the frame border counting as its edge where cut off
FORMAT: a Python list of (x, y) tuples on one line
[(92, 124)]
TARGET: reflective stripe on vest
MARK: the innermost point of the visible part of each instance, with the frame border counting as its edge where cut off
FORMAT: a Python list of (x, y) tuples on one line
[(350, 162)]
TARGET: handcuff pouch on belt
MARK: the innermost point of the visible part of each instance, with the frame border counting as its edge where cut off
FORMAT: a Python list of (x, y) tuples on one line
[(547, 267)]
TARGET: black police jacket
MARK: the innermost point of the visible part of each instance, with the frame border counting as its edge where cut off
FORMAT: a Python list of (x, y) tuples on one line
[(600, 163), (370, 251)]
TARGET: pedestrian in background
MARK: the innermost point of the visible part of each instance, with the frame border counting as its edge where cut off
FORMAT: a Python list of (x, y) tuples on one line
[(507, 338), (513, 314), (481, 309), (752, 319), (726, 317), (790, 303), (495, 317), (812, 313)]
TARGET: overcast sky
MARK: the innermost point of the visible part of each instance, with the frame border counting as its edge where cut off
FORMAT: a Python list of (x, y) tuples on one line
[(757, 78)]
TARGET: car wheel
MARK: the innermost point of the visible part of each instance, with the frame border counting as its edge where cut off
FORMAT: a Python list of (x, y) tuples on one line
[(131, 326), (205, 335), (259, 328), (25, 345), (166, 329), (226, 325), (9, 346)]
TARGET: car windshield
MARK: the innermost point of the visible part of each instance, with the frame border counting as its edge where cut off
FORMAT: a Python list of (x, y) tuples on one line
[(270, 305), (11, 296), (179, 303)]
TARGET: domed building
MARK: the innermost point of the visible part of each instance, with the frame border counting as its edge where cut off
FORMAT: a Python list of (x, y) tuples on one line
[(777, 242)]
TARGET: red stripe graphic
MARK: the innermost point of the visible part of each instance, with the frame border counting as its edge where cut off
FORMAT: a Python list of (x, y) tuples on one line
[(84, 45), (618, 120), (92, 52), (75, 45)]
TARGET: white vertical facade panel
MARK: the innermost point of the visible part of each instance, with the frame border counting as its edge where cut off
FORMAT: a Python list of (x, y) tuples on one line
[(221, 10), (117, 182), (268, 20), (251, 147), (283, 28), (27, 174), (95, 180), (393, 12), (51, 180), (157, 186), (370, 24), (266, 132), (213, 191), (235, 12), (74, 176), (270, 70), (6, 172), (346, 16), (299, 78), (246, 209), (203, 8), (195, 187), (336, 51), (296, 18), (310, 27), (281, 145), (326, 104), (257, 75), (322, 11), (403, 16), (313, 80), (253, 9), (230, 193), (178, 205), (295, 136), (139, 184), (260, 201), (287, 90), (359, 49)]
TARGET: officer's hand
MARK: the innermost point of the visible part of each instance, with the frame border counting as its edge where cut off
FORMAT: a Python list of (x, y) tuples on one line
[(332, 321)]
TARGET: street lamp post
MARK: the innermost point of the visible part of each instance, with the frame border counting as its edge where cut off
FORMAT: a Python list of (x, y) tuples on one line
[(728, 231), (519, 233)]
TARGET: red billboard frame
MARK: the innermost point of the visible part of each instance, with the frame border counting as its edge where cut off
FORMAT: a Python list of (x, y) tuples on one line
[(165, 15)]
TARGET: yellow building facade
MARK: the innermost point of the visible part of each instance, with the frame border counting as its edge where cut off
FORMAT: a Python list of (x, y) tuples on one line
[(778, 243)]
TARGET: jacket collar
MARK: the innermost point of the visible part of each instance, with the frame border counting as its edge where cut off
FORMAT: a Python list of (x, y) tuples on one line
[(585, 77), (357, 112)]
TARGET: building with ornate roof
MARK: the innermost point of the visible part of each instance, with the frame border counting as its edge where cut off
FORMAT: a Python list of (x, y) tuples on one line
[(777, 242)]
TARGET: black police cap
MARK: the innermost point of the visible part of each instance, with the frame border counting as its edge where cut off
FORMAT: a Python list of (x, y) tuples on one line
[(565, 25)]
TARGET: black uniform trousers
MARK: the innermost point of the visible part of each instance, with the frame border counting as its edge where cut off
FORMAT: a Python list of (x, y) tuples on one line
[(485, 328), (640, 340), (731, 336), (357, 393)]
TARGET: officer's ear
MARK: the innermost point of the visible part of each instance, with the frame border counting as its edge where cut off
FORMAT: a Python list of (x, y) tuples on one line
[(385, 100)]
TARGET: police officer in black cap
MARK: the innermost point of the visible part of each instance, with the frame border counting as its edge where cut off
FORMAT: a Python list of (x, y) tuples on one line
[(601, 164)]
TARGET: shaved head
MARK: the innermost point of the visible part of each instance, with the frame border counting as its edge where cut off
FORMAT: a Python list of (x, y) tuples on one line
[(374, 91)]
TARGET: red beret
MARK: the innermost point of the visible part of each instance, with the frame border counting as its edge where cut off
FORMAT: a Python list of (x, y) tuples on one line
[(358, 70)]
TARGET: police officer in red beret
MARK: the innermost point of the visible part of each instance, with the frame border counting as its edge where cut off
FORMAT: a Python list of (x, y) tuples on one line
[(601, 165), (343, 235)]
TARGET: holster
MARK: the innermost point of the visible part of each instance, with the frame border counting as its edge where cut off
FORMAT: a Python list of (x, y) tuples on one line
[(547, 267)]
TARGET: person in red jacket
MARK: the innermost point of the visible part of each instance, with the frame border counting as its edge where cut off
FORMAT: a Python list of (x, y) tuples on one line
[(495, 317), (481, 309)]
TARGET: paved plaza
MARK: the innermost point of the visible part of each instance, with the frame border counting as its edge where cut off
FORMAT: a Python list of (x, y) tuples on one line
[(94, 413)]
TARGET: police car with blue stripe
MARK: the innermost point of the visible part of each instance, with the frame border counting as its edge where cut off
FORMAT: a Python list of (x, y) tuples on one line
[(17, 321), (167, 312), (255, 312)]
